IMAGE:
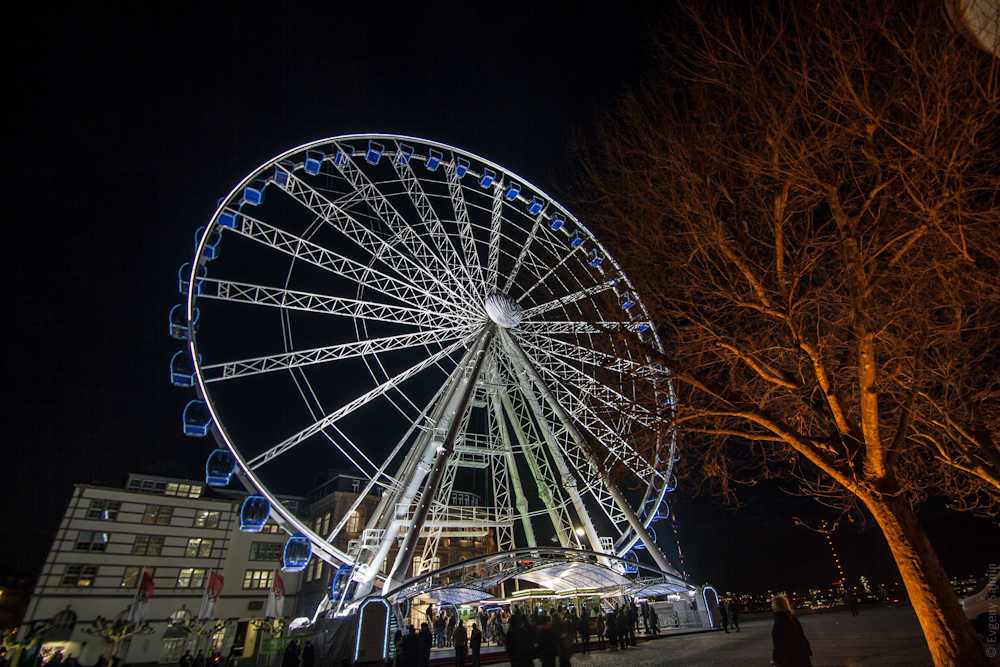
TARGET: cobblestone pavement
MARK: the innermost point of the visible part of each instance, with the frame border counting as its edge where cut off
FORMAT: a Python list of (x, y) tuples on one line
[(878, 637)]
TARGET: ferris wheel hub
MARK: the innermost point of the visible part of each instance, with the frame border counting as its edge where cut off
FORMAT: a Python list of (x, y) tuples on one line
[(503, 310)]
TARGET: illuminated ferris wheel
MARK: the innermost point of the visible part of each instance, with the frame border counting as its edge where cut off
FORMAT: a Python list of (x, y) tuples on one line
[(431, 319)]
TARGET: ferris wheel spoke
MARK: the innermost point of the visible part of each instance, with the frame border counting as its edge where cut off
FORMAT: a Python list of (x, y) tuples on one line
[(547, 306), (380, 248), (359, 402), (457, 267), (324, 304), (590, 356), (319, 355), (496, 221), (400, 227), (337, 264), (524, 253), (572, 327), (465, 233)]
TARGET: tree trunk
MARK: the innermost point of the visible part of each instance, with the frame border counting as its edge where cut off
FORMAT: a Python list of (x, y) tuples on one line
[(950, 636)]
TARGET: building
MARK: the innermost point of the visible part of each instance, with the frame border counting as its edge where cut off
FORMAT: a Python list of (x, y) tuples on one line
[(178, 531)]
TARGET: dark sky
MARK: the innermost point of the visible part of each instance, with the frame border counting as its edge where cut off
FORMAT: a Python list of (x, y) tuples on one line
[(126, 125)]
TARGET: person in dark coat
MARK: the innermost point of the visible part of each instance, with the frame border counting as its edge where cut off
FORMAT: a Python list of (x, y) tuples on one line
[(600, 629), (475, 644), (734, 615), (622, 623), (791, 648), (186, 659), (411, 648), (199, 660), (611, 628), (545, 641), (852, 602), (724, 615), (308, 655), (426, 643), (460, 636), (583, 627)]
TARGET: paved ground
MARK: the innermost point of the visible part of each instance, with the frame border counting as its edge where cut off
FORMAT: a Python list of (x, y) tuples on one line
[(877, 638)]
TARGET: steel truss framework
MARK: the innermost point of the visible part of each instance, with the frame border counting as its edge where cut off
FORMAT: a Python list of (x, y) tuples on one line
[(348, 297)]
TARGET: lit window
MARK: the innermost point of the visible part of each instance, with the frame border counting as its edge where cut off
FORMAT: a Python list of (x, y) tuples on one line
[(191, 578), (258, 578), (88, 541), (206, 519), (198, 548), (103, 510), (79, 575), (354, 522), (266, 551), (131, 576), (326, 524), (158, 515), (148, 544)]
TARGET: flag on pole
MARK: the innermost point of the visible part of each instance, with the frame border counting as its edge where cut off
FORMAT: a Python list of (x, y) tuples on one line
[(212, 592), (276, 598), (140, 604)]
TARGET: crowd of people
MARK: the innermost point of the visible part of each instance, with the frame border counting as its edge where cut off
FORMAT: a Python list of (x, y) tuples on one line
[(526, 636)]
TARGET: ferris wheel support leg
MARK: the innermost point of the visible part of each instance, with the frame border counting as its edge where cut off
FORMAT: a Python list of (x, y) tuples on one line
[(515, 477), (569, 481), (452, 419), (623, 504), (544, 478)]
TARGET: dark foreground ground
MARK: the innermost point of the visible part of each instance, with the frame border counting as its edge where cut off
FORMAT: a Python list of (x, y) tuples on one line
[(879, 637)]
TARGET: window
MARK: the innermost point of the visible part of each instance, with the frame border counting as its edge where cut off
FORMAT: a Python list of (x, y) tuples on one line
[(354, 523), (183, 490), (64, 619), (326, 524), (356, 486), (148, 544), (157, 514), (142, 485), (79, 575), (181, 617), (198, 548), (258, 578), (266, 550), (103, 510), (131, 577), (191, 578), (87, 541), (206, 519)]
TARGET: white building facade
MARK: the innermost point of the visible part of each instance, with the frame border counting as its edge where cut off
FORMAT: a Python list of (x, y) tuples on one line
[(172, 530)]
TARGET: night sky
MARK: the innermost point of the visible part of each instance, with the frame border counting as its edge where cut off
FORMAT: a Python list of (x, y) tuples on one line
[(126, 126)]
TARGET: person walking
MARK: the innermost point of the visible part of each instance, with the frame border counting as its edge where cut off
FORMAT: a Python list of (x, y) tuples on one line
[(611, 623), (460, 637), (426, 642), (622, 623), (791, 648), (452, 623), (599, 629), (654, 621), (187, 659), (583, 627), (308, 655), (852, 602), (475, 644), (199, 659), (734, 615), (724, 615)]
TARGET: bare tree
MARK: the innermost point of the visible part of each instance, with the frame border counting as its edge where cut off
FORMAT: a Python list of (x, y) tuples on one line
[(806, 197)]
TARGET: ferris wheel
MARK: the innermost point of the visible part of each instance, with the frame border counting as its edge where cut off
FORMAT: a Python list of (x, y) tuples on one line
[(424, 316)]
